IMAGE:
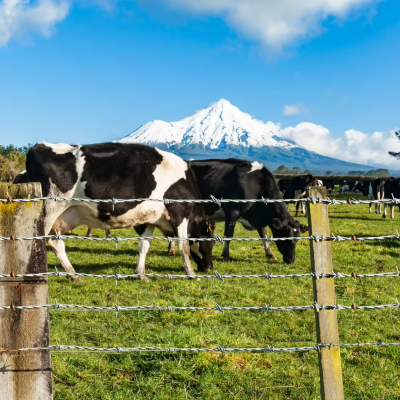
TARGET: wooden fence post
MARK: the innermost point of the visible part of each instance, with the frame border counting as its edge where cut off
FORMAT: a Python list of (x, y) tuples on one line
[(330, 368), (25, 375)]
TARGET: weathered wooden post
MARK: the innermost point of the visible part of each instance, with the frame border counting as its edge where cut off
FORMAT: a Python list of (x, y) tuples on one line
[(330, 368), (24, 375)]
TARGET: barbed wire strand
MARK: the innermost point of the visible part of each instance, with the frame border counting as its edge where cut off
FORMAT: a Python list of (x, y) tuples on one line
[(314, 200), (317, 307), (270, 349), (316, 238), (216, 275)]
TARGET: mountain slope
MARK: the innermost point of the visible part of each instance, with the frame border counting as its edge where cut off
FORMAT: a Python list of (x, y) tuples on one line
[(223, 131)]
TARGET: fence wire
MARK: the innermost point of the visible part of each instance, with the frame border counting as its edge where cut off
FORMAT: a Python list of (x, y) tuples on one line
[(216, 275), (270, 349), (219, 202), (317, 307), (316, 238)]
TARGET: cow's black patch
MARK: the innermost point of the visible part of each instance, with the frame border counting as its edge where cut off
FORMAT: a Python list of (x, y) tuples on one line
[(116, 170), (42, 163)]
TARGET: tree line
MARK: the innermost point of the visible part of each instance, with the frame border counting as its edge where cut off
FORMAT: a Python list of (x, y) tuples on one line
[(12, 161)]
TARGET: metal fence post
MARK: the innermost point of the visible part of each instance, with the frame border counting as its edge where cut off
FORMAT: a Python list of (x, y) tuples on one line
[(324, 293), (24, 375)]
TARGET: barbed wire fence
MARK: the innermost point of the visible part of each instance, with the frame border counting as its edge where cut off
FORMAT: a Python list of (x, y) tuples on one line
[(322, 276)]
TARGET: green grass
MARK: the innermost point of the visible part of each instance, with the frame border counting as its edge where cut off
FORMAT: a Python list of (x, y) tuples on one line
[(368, 373)]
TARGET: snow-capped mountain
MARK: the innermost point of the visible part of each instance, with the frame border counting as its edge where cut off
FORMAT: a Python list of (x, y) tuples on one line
[(219, 126), (223, 131)]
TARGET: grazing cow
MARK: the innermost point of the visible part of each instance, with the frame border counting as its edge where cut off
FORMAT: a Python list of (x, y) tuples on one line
[(283, 184), (239, 179), (343, 186), (391, 190), (374, 190), (297, 188), (122, 171), (329, 184)]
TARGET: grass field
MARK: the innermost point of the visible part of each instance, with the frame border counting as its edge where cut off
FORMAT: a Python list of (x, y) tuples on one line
[(368, 373)]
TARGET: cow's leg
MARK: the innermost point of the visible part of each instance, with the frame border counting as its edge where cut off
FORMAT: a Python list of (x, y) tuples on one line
[(229, 231), (171, 248), (89, 232), (108, 233), (378, 205), (392, 211), (184, 247), (58, 246), (297, 209), (144, 247), (384, 211), (370, 208), (269, 254)]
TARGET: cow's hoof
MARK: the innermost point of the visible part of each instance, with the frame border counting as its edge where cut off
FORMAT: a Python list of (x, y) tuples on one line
[(272, 256), (383, 216), (109, 236), (89, 236), (229, 259), (144, 279), (172, 252), (75, 278)]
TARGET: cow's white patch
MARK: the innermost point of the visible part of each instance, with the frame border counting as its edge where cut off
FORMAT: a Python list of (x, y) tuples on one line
[(370, 191), (79, 166), (59, 148), (169, 171), (255, 166), (319, 182)]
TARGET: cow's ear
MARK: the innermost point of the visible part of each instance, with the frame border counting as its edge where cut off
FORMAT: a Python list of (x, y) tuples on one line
[(277, 223), (303, 228)]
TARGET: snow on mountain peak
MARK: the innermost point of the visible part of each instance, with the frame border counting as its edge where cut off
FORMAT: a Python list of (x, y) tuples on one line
[(219, 126)]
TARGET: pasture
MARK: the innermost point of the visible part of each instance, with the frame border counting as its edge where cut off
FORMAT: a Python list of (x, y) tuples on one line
[(368, 372)]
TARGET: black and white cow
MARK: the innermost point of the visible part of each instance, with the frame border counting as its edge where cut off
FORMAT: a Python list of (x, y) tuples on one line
[(329, 184), (391, 190), (122, 171), (374, 190), (297, 189), (344, 186), (239, 179)]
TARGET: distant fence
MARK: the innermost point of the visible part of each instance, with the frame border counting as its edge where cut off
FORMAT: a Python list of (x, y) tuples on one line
[(24, 315)]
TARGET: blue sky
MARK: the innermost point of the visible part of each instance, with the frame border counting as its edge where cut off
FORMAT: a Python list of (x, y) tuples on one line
[(89, 71)]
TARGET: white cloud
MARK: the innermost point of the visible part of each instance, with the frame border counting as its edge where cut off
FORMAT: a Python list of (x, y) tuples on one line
[(19, 17), (294, 109), (353, 146), (275, 23)]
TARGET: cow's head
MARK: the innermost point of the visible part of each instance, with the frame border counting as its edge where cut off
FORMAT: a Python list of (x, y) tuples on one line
[(287, 228), (202, 251)]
